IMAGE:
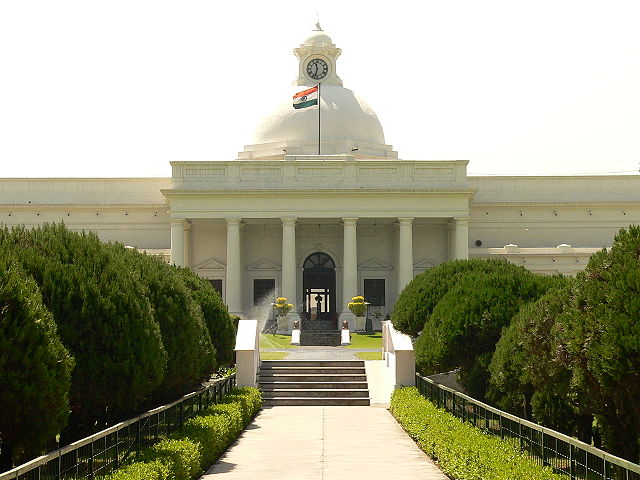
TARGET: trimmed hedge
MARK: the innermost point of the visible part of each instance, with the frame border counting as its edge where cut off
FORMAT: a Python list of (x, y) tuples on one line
[(202, 440), (463, 451)]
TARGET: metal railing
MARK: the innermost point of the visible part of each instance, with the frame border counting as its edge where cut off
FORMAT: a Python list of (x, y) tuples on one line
[(567, 456), (102, 453)]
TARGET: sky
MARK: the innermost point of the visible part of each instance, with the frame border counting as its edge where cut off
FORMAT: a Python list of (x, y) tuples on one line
[(120, 88)]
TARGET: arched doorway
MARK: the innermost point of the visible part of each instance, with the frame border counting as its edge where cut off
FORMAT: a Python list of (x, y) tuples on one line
[(319, 291)]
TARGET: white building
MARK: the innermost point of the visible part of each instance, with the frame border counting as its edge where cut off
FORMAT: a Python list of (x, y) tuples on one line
[(321, 221)]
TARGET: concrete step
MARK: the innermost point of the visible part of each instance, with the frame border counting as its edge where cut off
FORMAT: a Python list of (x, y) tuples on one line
[(312, 363), (264, 386), (315, 393), (310, 377), (309, 370), (324, 401)]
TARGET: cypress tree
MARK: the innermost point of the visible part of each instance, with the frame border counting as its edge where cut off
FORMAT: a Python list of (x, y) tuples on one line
[(467, 322), (190, 353), (35, 368), (104, 318), (216, 316)]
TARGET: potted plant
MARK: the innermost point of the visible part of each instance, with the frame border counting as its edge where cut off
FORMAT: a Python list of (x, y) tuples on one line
[(358, 307), (282, 308)]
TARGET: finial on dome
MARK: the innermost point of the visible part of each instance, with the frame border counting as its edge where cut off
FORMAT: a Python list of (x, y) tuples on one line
[(318, 27)]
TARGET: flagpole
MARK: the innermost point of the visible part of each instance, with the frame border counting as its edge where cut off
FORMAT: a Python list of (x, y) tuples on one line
[(319, 118)]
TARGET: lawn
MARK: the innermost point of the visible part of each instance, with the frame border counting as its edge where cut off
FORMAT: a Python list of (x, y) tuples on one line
[(369, 355), (270, 341), (273, 355), (366, 340)]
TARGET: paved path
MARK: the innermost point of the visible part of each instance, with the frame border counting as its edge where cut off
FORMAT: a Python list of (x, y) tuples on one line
[(324, 443)]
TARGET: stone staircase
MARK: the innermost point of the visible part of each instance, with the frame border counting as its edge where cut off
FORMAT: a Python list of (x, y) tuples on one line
[(328, 338), (313, 382)]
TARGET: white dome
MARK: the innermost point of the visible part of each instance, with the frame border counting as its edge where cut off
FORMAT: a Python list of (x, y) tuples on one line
[(318, 38), (344, 118)]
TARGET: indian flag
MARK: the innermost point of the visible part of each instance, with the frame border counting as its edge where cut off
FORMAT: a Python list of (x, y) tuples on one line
[(306, 98)]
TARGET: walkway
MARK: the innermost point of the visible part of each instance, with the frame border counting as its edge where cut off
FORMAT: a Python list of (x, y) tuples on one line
[(324, 443)]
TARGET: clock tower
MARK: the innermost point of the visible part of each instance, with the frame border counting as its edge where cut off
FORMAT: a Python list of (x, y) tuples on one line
[(317, 56)]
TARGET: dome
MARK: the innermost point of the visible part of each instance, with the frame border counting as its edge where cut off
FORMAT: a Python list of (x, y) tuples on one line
[(344, 117), (318, 38)]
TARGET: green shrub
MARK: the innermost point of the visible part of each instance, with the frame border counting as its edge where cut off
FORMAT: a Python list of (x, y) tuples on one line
[(466, 323), (253, 396), (211, 432), (462, 450), (35, 368), (418, 299), (182, 457), (216, 317), (152, 470), (243, 402), (191, 355), (233, 411), (103, 317), (198, 444)]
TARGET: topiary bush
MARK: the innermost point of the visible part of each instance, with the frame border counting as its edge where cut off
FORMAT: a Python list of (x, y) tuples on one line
[(103, 317), (35, 368), (216, 316), (181, 457), (467, 322), (151, 470), (190, 353), (418, 299), (211, 432), (462, 451)]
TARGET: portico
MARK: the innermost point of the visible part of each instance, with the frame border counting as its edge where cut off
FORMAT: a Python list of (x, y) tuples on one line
[(247, 226)]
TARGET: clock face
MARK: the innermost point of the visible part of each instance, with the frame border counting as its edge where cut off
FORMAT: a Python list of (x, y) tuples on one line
[(317, 68)]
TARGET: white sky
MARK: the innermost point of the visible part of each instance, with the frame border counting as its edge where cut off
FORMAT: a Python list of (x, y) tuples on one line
[(120, 88)]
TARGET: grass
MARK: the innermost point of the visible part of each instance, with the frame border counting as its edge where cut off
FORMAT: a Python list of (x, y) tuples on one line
[(271, 341), (369, 355), (366, 340), (273, 355)]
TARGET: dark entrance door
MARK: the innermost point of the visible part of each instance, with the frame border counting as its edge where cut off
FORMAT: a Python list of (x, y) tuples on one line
[(319, 292)]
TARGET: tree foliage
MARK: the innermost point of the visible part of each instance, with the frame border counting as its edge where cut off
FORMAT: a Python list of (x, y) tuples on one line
[(601, 337), (467, 322), (418, 299), (190, 353), (216, 316), (103, 316), (35, 368), (526, 378)]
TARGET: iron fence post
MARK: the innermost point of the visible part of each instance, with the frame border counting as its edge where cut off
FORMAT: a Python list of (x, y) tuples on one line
[(117, 450), (571, 471), (91, 460)]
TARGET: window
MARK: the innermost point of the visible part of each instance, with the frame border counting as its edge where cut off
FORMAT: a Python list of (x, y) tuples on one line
[(263, 290), (216, 283), (374, 291)]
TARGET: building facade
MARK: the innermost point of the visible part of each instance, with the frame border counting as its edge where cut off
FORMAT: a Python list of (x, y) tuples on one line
[(320, 218)]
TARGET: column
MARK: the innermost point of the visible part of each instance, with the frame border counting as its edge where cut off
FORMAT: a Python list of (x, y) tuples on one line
[(405, 253), (233, 288), (177, 241), (187, 243), (289, 269), (349, 267), (451, 230), (462, 238)]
